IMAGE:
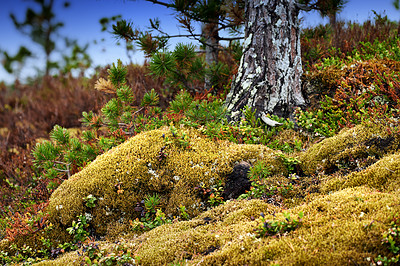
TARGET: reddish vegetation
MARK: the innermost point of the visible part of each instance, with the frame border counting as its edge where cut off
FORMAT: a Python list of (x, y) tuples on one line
[(323, 41), (20, 225), (29, 112)]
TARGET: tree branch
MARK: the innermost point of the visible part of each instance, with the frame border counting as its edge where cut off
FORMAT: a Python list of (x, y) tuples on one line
[(230, 39), (160, 3), (303, 7)]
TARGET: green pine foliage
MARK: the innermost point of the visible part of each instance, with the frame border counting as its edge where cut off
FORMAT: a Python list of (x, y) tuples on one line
[(62, 156), (181, 68), (205, 111), (111, 112), (91, 120), (125, 94), (184, 69), (181, 102), (117, 74), (162, 63), (150, 99)]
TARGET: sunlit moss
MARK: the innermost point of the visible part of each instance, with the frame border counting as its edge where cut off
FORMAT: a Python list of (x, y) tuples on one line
[(351, 144), (122, 177), (4, 245), (342, 228), (71, 258), (383, 175)]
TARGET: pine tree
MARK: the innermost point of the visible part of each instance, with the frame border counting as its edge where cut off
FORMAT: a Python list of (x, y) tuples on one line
[(182, 68), (77, 59), (396, 4), (330, 9), (214, 16), (43, 29), (63, 155)]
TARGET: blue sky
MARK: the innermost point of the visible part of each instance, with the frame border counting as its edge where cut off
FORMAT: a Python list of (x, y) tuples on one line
[(81, 21)]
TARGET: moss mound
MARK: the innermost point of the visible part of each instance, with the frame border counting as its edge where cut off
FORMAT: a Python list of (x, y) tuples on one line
[(333, 230), (351, 149), (383, 175), (345, 215), (121, 178), (342, 228)]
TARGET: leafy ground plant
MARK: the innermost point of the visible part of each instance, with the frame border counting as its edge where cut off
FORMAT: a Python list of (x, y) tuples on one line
[(151, 215), (212, 195), (79, 229), (261, 188), (275, 227), (119, 255), (90, 201), (391, 239)]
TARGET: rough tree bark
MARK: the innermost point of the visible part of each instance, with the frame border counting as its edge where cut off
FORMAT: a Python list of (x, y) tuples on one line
[(211, 41), (268, 78)]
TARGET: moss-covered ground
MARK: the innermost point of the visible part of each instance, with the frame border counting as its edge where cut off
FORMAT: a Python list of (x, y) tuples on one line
[(325, 186), (344, 217)]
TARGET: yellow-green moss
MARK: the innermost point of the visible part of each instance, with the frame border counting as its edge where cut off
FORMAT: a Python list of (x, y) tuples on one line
[(289, 137), (70, 259), (4, 245), (349, 144), (123, 176), (4, 131), (342, 228), (383, 175)]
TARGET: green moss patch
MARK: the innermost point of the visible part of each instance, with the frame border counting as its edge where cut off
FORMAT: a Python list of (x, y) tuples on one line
[(342, 228), (351, 149), (383, 175), (122, 177)]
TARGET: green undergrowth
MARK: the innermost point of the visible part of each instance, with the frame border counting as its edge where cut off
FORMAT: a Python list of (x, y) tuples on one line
[(352, 78), (343, 216), (142, 185), (344, 226), (349, 93)]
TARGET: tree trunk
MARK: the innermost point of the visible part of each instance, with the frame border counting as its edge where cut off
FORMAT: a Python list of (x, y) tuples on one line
[(332, 20), (48, 43), (268, 78), (211, 40)]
